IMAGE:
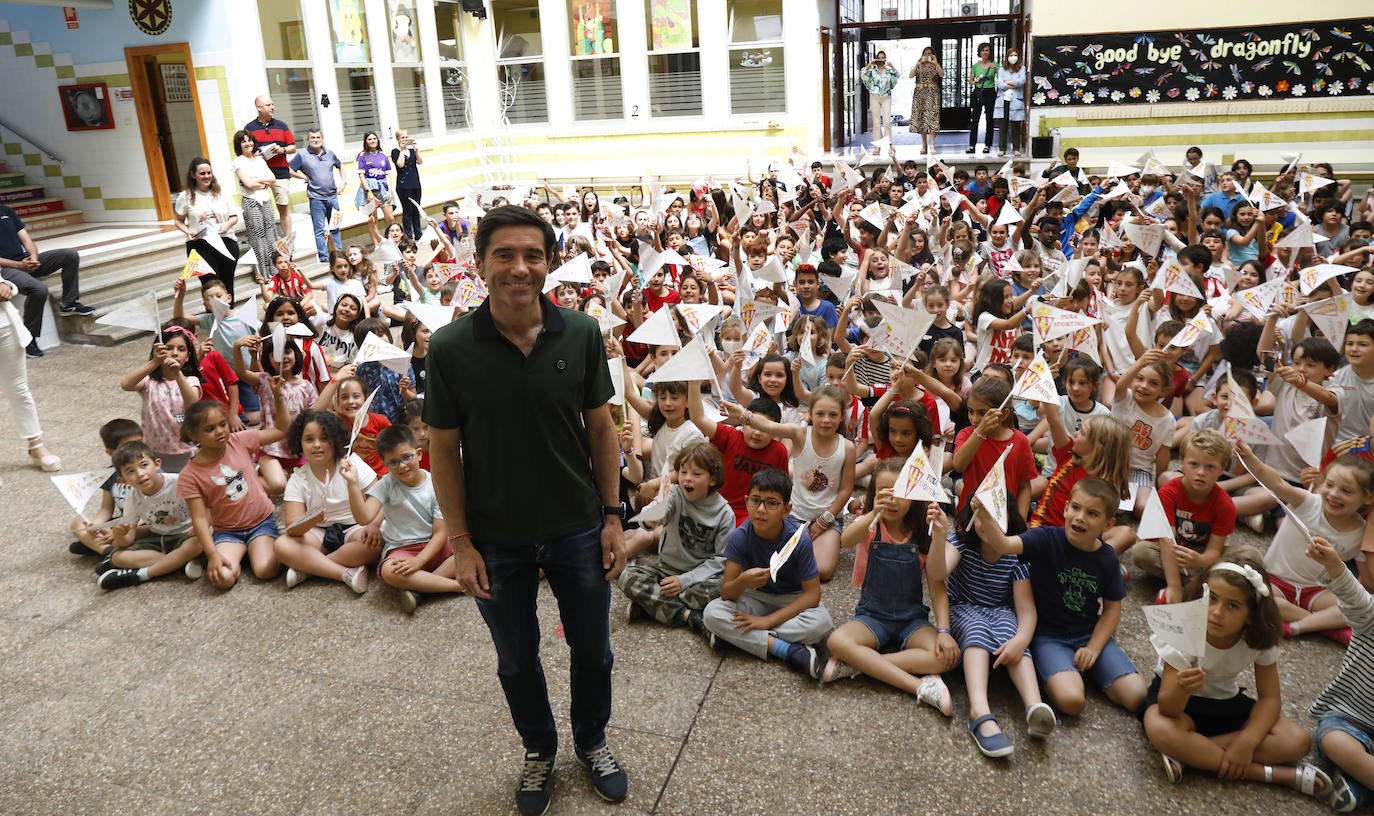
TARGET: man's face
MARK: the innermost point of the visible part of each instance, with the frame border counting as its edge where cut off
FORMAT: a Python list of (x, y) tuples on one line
[(266, 108), (316, 141), (514, 266)]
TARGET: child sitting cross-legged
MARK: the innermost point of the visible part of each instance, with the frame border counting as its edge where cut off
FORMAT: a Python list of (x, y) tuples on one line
[(158, 540), (691, 545), (1071, 570), (783, 616)]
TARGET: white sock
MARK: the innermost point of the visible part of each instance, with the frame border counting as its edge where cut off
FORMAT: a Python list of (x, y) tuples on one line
[(143, 574)]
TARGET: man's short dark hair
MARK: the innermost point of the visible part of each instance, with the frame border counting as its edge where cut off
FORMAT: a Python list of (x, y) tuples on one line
[(312, 132), (508, 216), (772, 480)]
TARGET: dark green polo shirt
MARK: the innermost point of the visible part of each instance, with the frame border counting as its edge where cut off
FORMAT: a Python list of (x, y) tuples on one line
[(526, 451)]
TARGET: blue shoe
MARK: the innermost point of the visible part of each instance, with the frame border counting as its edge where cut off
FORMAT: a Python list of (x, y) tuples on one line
[(75, 307), (608, 776), (1346, 794), (996, 745), (535, 791)]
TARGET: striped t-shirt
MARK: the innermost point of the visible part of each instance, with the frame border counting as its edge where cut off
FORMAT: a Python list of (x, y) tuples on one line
[(1348, 695)]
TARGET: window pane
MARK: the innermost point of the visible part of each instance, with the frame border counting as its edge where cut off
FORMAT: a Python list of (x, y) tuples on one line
[(455, 95), (596, 89), (755, 20), (517, 28), (294, 94), (672, 24), (357, 101), (592, 27), (283, 33), (405, 31), (523, 92), (675, 84), (349, 28), (448, 24), (412, 111), (756, 80)]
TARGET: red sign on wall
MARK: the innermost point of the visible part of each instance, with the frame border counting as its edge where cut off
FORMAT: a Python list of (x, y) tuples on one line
[(69, 13)]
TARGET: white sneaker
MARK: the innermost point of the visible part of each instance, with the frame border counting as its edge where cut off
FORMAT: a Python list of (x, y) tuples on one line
[(934, 693), (1040, 720), (409, 600), (294, 577), (356, 578), (194, 569)]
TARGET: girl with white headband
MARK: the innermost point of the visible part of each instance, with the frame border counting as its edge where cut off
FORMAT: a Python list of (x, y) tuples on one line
[(1198, 716)]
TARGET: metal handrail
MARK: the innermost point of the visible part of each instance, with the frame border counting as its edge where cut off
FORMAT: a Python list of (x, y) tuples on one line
[(24, 136)]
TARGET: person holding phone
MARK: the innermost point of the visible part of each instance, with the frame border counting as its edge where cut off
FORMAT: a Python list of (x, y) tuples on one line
[(925, 100), (406, 156), (879, 78)]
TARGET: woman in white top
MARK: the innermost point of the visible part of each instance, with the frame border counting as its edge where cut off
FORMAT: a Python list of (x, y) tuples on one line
[(205, 216), (255, 181), (14, 379)]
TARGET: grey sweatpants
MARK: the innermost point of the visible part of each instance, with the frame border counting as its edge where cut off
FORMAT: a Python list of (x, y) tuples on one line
[(808, 627)]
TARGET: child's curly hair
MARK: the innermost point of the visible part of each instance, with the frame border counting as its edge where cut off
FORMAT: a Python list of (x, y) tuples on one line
[(329, 423)]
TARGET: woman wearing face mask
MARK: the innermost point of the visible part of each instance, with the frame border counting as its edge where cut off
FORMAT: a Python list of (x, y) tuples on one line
[(1011, 83)]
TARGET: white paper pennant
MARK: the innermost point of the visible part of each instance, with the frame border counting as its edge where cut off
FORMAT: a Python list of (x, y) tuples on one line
[(374, 349), (657, 330), (692, 362)]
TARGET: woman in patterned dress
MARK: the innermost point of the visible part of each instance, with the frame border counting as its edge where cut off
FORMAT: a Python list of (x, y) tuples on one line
[(925, 102)]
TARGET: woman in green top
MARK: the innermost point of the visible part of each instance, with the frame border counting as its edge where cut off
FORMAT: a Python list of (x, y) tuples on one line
[(983, 78)]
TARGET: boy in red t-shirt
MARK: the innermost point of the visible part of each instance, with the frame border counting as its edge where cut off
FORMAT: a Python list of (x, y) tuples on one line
[(287, 282), (978, 447), (1201, 513), (745, 451)]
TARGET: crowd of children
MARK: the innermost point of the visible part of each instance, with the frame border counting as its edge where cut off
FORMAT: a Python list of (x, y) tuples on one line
[(1187, 320)]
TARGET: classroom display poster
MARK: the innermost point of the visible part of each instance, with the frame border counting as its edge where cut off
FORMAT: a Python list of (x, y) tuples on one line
[(593, 28), (1288, 61), (671, 23), (350, 30)]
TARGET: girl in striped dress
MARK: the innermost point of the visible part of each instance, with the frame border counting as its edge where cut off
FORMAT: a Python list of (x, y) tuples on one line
[(992, 615)]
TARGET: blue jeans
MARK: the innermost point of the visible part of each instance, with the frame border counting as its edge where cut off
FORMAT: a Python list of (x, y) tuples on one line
[(321, 209), (573, 568)]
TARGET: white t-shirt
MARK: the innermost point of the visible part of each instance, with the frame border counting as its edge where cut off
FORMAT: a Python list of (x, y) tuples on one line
[(667, 442), (330, 496), (1287, 555), (162, 512), (1073, 421), (1292, 407), (1357, 402), (1147, 433), (253, 166), (1114, 337), (993, 346), (208, 211), (1223, 666), (337, 345)]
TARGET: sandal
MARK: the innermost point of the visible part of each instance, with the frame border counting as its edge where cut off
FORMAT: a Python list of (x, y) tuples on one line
[(996, 745), (1344, 797), (1311, 780), (1173, 769), (47, 462)]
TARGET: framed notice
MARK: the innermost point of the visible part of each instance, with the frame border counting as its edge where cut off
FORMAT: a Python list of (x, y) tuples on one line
[(176, 83), (86, 107)]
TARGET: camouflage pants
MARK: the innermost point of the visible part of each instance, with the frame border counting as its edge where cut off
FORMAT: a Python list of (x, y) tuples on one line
[(640, 585)]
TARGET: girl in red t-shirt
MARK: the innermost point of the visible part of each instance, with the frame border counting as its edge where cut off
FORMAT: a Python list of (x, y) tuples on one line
[(978, 447), (352, 393), (1102, 448)]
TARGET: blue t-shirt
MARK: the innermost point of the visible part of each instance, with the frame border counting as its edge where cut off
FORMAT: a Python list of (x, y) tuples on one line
[(824, 310), (1221, 202), (974, 187), (1068, 583), (750, 551)]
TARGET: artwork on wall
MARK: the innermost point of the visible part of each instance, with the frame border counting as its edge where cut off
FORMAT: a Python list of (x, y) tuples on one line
[(1297, 60), (86, 107), (671, 21), (152, 17)]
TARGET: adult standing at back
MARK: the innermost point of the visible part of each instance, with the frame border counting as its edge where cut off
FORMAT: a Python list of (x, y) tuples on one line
[(982, 97), (526, 471), (255, 184), (317, 164), (205, 214), (1011, 100), (374, 171), (925, 99), (879, 78), (275, 141), (406, 156)]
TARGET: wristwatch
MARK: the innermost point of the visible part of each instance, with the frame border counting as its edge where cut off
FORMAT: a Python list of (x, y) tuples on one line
[(827, 519), (617, 510)]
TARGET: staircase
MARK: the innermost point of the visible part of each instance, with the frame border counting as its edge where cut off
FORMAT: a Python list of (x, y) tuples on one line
[(30, 204)]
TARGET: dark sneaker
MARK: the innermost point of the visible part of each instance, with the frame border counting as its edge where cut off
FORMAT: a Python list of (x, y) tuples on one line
[(119, 578), (77, 548), (634, 612), (803, 659), (696, 622), (608, 777), (32, 349), (75, 307), (104, 566), (535, 790)]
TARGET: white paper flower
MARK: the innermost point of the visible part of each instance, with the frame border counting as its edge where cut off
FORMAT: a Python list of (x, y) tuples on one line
[(1264, 90), (1064, 99), (1038, 99), (1088, 99), (1117, 96), (1152, 95), (1192, 94), (1298, 90), (1335, 88), (1229, 92)]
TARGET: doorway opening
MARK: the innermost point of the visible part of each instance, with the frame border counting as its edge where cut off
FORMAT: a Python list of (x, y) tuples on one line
[(163, 80)]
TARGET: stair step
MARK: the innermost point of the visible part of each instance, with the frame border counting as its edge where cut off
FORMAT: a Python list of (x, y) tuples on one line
[(39, 206), (14, 195), (9, 181), (38, 225)]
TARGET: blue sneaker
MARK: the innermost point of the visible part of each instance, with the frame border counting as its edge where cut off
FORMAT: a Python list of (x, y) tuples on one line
[(608, 777), (535, 791), (75, 307)]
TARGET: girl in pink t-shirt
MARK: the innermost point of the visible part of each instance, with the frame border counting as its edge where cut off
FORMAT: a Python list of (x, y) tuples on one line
[(168, 382), (228, 505)]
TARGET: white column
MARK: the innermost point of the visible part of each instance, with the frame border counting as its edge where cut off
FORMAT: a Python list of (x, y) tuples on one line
[(320, 46), (479, 65), (553, 31), (802, 67), (246, 70), (633, 46), (429, 56), (379, 47), (715, 59)]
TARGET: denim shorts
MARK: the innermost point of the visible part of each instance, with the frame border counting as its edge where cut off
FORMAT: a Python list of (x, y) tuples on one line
[(1053, 655), (248, 399), (266, 527), (1335, 722), (893, 634)]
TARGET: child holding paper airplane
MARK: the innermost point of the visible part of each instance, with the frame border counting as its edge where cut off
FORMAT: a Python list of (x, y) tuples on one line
[(155, 538), (115, 493), (667, 421), (691, 545), (1073, 574), (287, 281), (166, 384), (978, 446), (823, 461), (231, 513), (891, 613), (770, 594), (1101, 448), (745, 451), (222, 329), (350, 399), (1335, 513), (392, 388), (1142, 386), (1198, 716), (276, 459)]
